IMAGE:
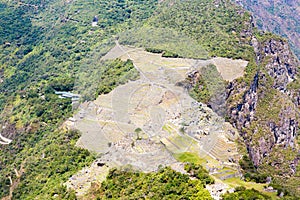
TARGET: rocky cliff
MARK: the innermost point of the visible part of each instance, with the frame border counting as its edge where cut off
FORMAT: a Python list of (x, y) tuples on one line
[(265, 109), (267, 113), (279, 17)]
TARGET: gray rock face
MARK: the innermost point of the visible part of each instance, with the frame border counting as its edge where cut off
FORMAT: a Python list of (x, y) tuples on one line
[(282, 66), (284, 21), (243, 113), (281, 133), (1, 75), (295, 96), (9, 130), (285, 132)]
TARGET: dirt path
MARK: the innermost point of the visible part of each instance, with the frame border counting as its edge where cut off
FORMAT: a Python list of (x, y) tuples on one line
[(4, 140)]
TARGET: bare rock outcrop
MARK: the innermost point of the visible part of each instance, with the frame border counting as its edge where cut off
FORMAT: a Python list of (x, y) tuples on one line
[(267, 111)]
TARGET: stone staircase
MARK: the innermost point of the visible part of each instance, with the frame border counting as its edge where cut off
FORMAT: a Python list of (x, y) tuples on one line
[(224, 150)]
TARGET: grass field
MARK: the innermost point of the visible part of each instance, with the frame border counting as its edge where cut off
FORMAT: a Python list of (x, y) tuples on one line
[(235, 182), (189, 157)]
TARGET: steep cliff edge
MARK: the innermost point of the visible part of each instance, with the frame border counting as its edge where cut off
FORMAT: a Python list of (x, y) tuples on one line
[(279, 17), (264, 104), (267, 114)]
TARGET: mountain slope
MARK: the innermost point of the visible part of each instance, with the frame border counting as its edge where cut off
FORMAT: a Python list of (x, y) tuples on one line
[(279, 17), (63, 51), (33, 66)]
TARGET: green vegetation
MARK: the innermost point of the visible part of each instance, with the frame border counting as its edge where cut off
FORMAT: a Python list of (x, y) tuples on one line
[(169, 54), (163, 39), (217, 28), (197, 171), (245, 194), (271, 103), (47, 155), (154, 50), (164, 184), (60, 51), (237, 182), (116, 73), (102, 77), (200, 91), (50, 45), (294, 85), (210, 84), (53, 160), (288, 184), (14, 24), (166, 54), (250, 172), (189, 157)]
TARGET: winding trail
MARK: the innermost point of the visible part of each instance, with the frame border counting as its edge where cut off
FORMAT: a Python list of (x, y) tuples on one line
[(4, 140)]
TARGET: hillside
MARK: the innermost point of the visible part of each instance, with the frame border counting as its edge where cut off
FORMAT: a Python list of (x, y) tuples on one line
[(99, 98), (278, 17)]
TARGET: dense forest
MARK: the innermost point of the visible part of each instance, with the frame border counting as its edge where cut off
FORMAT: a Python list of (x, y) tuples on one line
[(48, 46), (166, 183)]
